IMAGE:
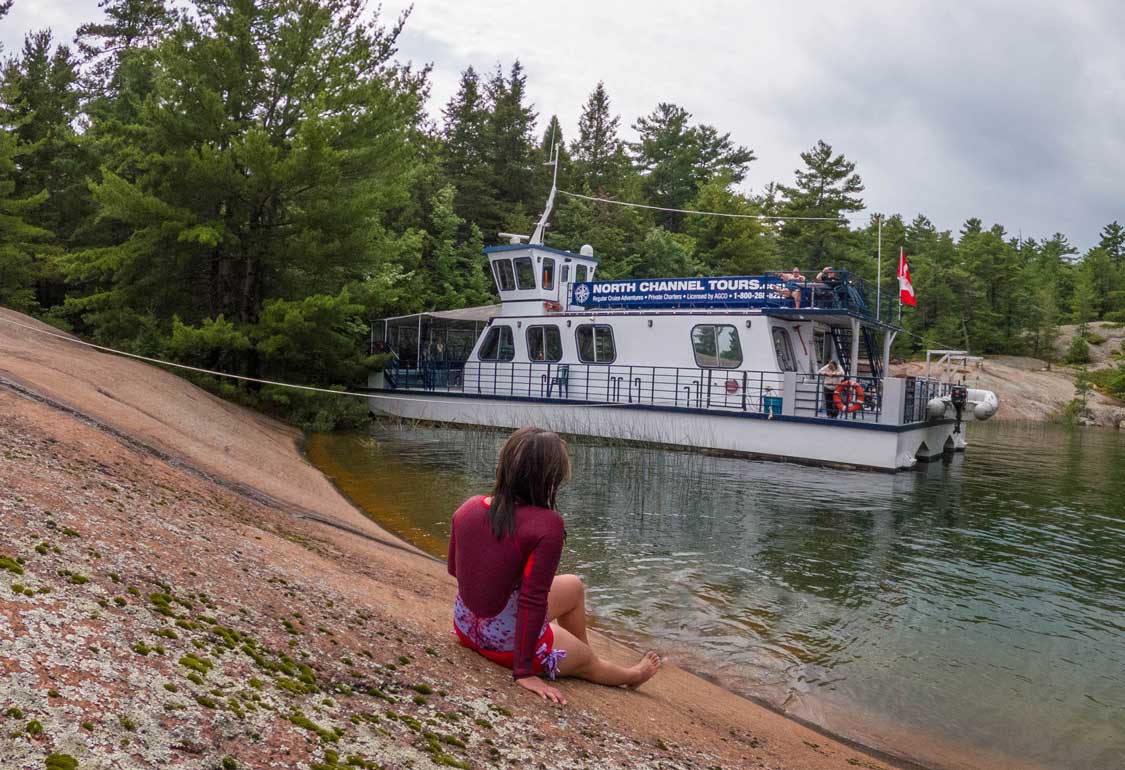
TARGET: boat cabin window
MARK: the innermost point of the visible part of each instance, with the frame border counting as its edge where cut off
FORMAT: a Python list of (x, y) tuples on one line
[(525, 273), (783, 346), (716, 347), (595, 344), (544, 343), (548, 273), (498, 345), (580, 274), (505, 278), (564, 274)]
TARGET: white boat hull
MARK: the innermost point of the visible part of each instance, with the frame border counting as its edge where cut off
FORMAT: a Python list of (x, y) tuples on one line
[(817, 441)]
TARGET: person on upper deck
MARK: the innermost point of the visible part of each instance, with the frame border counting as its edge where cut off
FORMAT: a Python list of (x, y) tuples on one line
[(828, 276), (831, 376), (793, 280), (504, 549), (831, 283)]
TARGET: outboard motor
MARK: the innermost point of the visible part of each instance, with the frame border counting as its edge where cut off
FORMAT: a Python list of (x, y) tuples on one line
[(958, 396)]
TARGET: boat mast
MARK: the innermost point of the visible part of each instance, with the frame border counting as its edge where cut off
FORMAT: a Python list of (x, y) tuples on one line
[(537, 236)]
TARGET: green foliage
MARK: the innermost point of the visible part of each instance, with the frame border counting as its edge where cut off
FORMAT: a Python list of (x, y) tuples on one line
[(665, 253), (1110, 381), (1078, 352), (60, 762), (827, 186), (676, 158), (599, 154), (23, 245), (244, 187)]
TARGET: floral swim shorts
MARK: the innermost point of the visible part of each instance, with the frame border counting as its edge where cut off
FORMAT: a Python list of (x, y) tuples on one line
[(495, 637)]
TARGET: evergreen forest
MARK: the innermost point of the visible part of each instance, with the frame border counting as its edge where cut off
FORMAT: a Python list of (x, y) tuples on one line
[(244, 185)]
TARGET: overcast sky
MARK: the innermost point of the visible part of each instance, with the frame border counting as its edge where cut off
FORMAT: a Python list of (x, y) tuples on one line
[(1010, 111)]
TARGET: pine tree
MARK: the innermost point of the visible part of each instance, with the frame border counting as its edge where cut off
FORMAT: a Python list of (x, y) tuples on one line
[(129, 26), (21, 243), (510, 152), (599, 154), (1104, 280), (552, 138), (464, 157), (726, 245), (676, 158), (827, 186), (664, 253), (457, 270), (278, 139), (39, 106), (1085, 301), (1113, 242)]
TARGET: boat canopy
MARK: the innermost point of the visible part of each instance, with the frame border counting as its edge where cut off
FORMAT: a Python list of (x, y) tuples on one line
[(433, 336)]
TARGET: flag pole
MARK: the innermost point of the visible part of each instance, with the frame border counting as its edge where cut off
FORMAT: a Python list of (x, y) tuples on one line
[(879, 271), (901, 250)]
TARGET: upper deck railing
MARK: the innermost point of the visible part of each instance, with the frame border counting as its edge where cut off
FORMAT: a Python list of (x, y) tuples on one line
[(838, 290)]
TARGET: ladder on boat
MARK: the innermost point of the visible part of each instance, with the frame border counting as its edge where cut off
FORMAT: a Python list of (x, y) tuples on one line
[(868, 364)]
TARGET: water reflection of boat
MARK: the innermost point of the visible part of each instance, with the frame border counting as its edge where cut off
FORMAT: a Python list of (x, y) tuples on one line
[(726, 364)]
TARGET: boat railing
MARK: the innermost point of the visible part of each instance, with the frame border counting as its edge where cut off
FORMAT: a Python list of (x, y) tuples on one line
[(718, 389), (919, 392), (844, 398), (841, 291)]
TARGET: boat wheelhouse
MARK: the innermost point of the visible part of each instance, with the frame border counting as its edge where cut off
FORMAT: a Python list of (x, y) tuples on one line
[(726, 364)]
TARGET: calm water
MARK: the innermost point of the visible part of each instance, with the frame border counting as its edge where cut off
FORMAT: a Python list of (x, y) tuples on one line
[(969, 613)]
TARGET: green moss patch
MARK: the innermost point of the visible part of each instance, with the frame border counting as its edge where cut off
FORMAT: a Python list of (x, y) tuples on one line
[(60, 762), (300, 720), (11, 565), (200, 665)]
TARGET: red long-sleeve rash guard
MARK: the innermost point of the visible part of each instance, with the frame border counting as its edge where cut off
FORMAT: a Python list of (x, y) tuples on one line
[(489, 569)]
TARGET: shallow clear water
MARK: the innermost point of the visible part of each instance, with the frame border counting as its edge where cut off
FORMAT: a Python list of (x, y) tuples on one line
[(967, 613)]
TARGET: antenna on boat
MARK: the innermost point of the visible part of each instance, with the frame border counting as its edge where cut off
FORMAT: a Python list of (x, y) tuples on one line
[(537, 236)]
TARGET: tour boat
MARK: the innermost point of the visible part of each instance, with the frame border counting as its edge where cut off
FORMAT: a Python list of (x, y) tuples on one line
[(725, 364)]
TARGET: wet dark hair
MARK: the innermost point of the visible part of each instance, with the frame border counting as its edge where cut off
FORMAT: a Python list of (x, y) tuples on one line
[(533, 465)]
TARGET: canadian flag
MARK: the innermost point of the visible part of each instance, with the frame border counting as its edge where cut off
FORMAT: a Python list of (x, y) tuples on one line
[(905, 287)]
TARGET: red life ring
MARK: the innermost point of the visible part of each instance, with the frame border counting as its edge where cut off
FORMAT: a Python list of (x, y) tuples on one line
[(732, 386), (848, 396)]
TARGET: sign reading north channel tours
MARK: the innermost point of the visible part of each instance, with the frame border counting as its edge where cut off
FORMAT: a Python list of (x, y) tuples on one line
[(746, 291)]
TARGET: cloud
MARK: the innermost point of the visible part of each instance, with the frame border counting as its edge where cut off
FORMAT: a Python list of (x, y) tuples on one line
[(62, 16), (1009, 111)]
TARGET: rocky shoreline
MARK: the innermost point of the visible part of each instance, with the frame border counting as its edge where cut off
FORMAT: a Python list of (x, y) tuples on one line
[(179, 588)]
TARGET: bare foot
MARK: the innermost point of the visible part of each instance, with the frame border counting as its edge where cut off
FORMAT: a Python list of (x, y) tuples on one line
[(644, 669)]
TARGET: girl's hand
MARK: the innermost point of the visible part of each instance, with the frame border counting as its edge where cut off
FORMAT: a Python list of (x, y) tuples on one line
[(542, 689)]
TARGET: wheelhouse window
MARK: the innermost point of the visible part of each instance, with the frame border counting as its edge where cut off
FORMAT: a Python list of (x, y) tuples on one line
[(580, 274), (498, 345), (505, 277), (595, 344), (525, 273), (564, 274), (548, 273), (544, 343), (716, 347), (783, 346)]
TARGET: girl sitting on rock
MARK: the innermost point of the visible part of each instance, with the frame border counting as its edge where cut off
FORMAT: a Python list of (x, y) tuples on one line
[(504, 550)]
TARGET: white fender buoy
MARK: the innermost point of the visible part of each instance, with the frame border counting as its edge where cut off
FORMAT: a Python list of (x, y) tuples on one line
[(986, 403), (935, 408)]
